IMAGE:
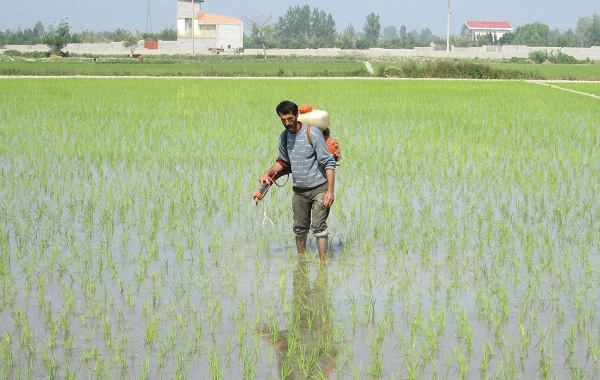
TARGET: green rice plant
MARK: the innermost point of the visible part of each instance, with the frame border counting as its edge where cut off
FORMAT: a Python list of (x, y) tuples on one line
[(214, 360), (127, 221)]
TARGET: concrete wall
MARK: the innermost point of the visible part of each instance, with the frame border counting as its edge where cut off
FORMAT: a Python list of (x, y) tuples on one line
[(492, 52), (202, 46), (185, 10), (230, 35)]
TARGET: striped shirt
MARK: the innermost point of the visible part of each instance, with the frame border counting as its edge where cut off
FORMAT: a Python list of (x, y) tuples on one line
[(307, 162)]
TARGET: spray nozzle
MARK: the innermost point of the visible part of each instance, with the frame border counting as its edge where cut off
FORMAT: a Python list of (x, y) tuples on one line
[(263, 190)]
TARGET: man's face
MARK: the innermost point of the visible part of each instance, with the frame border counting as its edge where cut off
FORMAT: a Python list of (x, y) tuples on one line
[(289, 121)]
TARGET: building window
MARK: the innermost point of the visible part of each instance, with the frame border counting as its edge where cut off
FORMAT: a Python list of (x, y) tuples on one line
[(207, 31)]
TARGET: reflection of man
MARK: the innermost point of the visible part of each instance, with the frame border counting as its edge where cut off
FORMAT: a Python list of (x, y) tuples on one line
[(306, 349)]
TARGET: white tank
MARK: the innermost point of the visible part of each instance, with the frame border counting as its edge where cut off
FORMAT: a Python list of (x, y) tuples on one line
[(318, 118)]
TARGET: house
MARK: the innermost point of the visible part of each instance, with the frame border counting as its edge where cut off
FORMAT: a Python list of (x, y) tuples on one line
[(205, 32), (473, 29)]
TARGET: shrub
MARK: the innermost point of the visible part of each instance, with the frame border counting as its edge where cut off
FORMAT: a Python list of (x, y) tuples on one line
[(13, 53), (538, 56), (561, 57), (541, 56)]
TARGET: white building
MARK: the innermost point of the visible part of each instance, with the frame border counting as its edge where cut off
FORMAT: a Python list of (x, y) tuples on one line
[(205, 32), (474, 29)]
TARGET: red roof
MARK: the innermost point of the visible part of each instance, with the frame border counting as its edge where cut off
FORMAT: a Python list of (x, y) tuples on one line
[(505, 25), (216, 19)]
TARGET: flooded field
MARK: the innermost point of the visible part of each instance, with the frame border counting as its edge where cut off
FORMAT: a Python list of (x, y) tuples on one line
[(464, 233)]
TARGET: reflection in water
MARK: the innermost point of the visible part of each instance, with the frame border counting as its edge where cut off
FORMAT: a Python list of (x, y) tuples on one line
[(306, 349)]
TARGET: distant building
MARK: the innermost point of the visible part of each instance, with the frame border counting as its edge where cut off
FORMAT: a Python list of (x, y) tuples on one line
[(473, 29), (205, 32)]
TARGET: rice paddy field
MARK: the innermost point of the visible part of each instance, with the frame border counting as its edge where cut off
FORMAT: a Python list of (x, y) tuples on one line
[(229, 66), (464, 236)]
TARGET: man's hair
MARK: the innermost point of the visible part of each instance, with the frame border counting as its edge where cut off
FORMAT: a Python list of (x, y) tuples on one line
[(286, 107)]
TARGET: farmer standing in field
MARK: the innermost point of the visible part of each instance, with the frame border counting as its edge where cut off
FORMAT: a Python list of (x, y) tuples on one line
[(313, 176)]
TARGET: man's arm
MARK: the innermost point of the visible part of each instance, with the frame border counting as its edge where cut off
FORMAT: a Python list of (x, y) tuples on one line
[(329, 197), (271, 172)]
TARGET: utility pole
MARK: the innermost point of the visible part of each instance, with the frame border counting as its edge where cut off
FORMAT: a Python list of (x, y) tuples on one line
[(193, 32), (149, 17), (448, 33)]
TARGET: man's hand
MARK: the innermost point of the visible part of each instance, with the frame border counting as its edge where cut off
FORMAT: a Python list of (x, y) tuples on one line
[(265, 178), (269, 175), (328, 199)]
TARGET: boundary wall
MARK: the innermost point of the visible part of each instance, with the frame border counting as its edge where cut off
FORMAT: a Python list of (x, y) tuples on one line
[(182, 47)]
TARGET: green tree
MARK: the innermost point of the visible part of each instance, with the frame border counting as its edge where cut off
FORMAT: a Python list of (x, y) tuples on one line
[(294, 27), (120, 35), (559, 39), (130, 42), (348, 38), (390, 32), (38, 30), (485, 39), (462, 40), (595, 33), (168, 33), (58, 38), (27, 36), (89, 36), (323, 30), (402, 32), (588, 31), (507, 38), (427, 37), (262, 32), (535, 34), (372, 29), (300, 27), (409, 40)]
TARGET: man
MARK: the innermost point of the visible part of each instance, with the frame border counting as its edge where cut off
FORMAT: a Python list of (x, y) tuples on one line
[(313, 175)]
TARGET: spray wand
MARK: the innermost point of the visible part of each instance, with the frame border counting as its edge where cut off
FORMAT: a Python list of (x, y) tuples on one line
[(263, 189)]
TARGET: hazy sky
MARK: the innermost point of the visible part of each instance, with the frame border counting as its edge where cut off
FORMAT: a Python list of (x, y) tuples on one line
[(415, 14)]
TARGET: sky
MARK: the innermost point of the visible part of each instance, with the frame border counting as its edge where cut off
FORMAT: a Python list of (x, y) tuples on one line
[(109, 15)]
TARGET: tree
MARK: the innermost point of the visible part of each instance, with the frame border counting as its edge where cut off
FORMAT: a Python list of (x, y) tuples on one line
[(535, 34), (485, 39), (507, 38), (58, 38), (38, 29), (89, 36), (402, 32), (409, 41), (559, 39), (323, 30), (348, 38), (294, 27), (130, 42), (588, 31), (168, 33), (300, 27), (372, 29), (390, 32), (427, 37), (262, 31), (120, 35)]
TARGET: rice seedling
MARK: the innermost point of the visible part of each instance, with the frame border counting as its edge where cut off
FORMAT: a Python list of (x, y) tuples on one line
[(464, 231)]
